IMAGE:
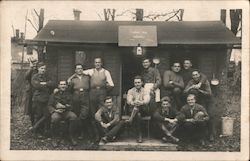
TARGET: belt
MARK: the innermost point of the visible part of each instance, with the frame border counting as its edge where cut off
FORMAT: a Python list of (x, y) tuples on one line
[(97, 87), (81, 90)]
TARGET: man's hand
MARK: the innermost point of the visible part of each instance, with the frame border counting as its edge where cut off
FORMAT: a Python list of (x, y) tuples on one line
[(56, 90), (43, 83), (190, 120), (167, 119), (171, 82), (138, 103), (105, 125), (173, 121), (60, 106), (59, 110)]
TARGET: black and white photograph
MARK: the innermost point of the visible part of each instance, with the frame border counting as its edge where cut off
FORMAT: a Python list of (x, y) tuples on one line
[(123, 79)]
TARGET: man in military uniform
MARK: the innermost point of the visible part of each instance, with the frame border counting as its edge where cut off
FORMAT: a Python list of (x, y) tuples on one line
[(42, 85), (29, 90), (173, 83), (151, 77), (195, 119), (60, 108), (200, 86), (79, 84), (167, 119), (108, 119)]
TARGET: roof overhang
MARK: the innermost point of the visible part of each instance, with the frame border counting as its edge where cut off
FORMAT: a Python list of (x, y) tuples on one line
[(106, 32)]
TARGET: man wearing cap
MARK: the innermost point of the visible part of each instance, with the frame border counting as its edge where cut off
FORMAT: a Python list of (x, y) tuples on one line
[(195, 120), (138, 100), (60, 108), (79, 84), (200, 86), (29, 90), (151, 77), (42, 85), (108, 119), (167, 119), (173, 83)]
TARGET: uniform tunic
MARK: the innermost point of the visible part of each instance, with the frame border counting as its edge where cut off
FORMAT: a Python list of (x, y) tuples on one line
[(80, 87), (109, 116)]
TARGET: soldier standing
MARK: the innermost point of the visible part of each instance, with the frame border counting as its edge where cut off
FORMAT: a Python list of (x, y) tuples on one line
[(42, 85)]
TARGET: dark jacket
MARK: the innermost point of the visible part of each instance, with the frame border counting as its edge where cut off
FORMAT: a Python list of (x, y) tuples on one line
[(102, 115), (41, 92), (151, 75), (160, 116), (185, 111), (65, 98)]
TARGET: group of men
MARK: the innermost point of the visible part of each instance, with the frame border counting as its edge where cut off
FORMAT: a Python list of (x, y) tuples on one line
[(83, 102)]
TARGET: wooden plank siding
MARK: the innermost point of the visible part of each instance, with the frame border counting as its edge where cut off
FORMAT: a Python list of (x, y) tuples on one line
[(65, 63)]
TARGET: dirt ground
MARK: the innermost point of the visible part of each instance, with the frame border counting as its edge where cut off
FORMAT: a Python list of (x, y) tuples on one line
[(21, 139)]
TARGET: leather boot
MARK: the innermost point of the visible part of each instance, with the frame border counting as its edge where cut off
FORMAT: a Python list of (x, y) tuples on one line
[(72, 127)]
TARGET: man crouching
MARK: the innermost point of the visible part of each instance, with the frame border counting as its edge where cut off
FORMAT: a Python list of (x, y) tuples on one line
[(108, 121), (167, 119), (195, 120), (60, 105)]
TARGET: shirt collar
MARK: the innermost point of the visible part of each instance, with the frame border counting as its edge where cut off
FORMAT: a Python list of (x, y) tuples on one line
[(101, 70)]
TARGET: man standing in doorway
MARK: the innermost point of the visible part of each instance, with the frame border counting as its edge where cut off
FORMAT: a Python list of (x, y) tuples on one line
[(151, 77), (173, 83)]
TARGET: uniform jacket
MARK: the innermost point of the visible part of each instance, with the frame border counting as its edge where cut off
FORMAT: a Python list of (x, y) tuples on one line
[(41, 92), (185, 111), (64, 98), (160, 115), (151, 75), (107, 116), (172, 76)]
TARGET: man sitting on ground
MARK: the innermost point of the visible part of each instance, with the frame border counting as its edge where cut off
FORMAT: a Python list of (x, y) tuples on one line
[(108, 120), (167, 119), (60, 105), (195, 119)]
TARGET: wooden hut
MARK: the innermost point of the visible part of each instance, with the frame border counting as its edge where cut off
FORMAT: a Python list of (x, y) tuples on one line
[(69, 42)]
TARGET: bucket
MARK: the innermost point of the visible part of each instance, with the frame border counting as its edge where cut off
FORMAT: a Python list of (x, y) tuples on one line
[(227, 126)]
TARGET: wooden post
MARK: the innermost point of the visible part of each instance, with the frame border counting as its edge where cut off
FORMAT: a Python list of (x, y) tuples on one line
[(223, 15), (139, 14), (40, 26)]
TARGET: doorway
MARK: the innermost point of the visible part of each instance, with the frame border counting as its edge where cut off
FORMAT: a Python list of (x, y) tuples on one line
[(131, 66)]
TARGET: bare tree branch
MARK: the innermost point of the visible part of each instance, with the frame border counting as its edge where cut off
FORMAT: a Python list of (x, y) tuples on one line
[(172, 16), (36, 13), (32, 24), (126, 11)]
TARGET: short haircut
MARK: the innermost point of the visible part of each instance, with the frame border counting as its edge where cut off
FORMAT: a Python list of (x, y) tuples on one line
[(196, 70), (175, 63), (62, 81), (78, 65), (166, 98), (191, 94), (98, 58), (138, 77), (146, 58), (108, 98), (187, 60)]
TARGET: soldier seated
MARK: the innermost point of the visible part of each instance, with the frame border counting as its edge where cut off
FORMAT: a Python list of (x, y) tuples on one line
[(138, 100), (195, 119), (108, 120), (167, 119), (60, 106)]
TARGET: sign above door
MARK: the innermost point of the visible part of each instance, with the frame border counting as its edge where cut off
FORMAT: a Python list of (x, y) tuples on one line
[(134, 35)]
